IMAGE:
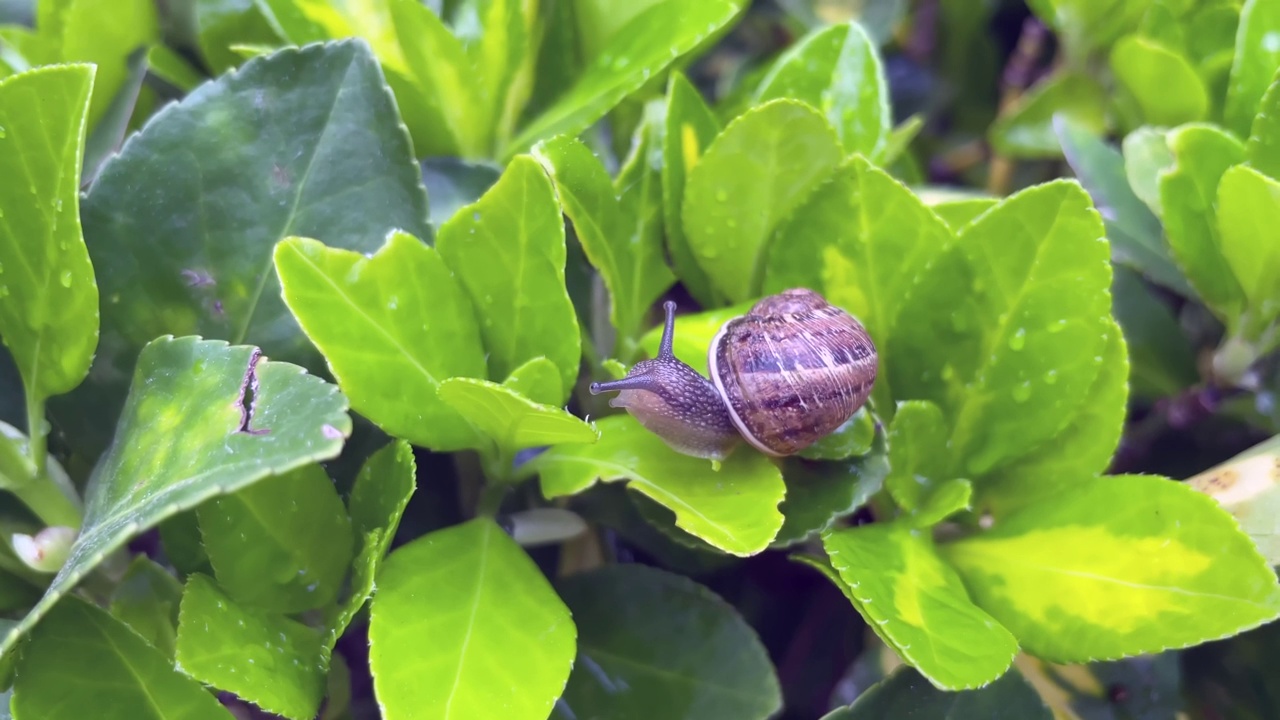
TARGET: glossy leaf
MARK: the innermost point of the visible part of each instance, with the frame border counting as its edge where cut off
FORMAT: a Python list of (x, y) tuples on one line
[(734, 508), (1116, 566), (1027, 129), (223, 23), (301, 142), (272, 661), (452, 183), (1162, 82), (690, 127), (1161, 361), (378, 499), (1147, 156), (147, 601), (195, 389), (906, 693), (49, 313), (511, 420), (1246, 201), (854, 437), (1202, 153), (83, 658), (1248, 487), (1257, 58), (1011, 363), (752, 177), (1263, 148), (837, 70), (653, 644), (958, 213), (644, 47), (634, 272), (392, 327), (502, 640), (1137, 238), (106, 33), (917, 604), (282, 544), (862, 239), (917, 453), (818, 494), (508, 252)]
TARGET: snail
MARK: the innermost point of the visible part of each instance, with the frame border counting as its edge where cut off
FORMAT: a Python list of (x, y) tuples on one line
[(783, 376)]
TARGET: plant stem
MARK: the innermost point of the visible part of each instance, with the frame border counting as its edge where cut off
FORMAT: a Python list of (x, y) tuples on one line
[(491, 500), (48, 502), (35, 432)]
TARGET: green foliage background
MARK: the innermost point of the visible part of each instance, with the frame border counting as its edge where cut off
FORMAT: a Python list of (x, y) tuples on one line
[(301, 300)]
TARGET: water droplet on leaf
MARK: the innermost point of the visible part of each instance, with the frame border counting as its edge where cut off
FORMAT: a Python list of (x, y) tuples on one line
[(65, 278), (1022, 393), (1019, 339)]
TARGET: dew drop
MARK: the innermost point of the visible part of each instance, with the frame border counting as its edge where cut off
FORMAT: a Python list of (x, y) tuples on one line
[(722, 195), (948, 372), (1019, 339), (1058, 326), (731, 223), (1051, 377), (4, 291), (1, 131), (65, 278), (1022, 393)]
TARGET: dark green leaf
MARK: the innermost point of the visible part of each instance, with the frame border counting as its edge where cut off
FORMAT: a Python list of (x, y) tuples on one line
[(392, 327), (907, 694), (690, 128), (653, 644), (502, 642), (820, 493), (223, 23), (917, 604), (182, 223), (1011, 361), (837, 70), (49, 313), (452, 183), (1161, 81), (508, 252), (1161, 361), (1257, 58), (272, 661), (644, 47), (735, 508), (106, 33), (195, 389), (753, 176), (282, 544), (1188, 191), (147, 601), (83, 660), (854, 437), (1137, 238), (1115, 566), (183, 546), (1027, 129)]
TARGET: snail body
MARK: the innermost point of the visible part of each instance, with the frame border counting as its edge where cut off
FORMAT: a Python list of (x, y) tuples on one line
[(784, 375)]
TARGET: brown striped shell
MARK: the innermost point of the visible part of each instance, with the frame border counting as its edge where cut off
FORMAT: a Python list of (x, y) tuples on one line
[(792, 370)]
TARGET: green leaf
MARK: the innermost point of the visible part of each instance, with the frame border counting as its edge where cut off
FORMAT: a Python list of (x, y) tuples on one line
[(301, 142), (147, 601), (918, 605), (537, 380), (392, 327), (1248, 487), (1263, 148), (106, 33), (381, 492), (167, 65), (958, 213), (502, 642), (734, 509), (196, 389), (453, 182), (837, 69), (905, 693), (1147, 156), (1085, 24), (223, 23), (644, 47), (1116, 566), (1026, 131), (818, 494), (1257, 59), (917, 453), (83, 660), (282, 544), (861, 239), (508, 251), (639, 189), (854, 437), (1137, 238), (272, 661), (653, 644), (752, 177), (690, 128), (49, 313), (1161, 81), (512, 421), (183, 546), (1188, 191), (1161, 361), (634, 273), (946, 499), (1010, 363), (693, 334), (1247, 203)]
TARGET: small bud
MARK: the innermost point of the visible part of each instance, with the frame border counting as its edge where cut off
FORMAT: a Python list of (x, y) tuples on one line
[(543, 526), (47, 550)]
